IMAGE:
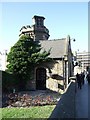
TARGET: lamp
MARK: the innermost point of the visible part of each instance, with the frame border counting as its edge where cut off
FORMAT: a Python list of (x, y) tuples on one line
[(73, 40)]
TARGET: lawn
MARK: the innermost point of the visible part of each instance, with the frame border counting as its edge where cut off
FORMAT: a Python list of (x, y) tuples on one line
[(32, 112)]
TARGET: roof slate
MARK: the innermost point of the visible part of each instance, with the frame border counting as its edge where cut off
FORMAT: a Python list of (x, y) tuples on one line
[(58, 47)]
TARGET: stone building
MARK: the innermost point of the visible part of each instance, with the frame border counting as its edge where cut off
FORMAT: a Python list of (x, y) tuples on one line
[(51, 75), (37, 31)]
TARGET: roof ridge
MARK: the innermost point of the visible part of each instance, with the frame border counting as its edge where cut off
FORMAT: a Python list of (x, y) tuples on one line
[(54, 39), (58, 39)]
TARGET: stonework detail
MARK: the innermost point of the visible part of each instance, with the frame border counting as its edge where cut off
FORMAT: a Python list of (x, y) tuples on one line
[(37, 31)]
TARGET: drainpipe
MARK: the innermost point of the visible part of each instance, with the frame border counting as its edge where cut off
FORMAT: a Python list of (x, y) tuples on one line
[(66, 74), (66, 70), (63, 64)]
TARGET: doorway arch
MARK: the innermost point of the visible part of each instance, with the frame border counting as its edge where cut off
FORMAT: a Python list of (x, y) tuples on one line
[(41, 78)]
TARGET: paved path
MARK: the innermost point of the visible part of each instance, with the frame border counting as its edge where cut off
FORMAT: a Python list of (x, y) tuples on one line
[(66, 106), (82, 98)]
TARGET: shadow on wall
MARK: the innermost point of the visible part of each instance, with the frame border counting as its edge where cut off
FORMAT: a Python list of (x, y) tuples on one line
[(57, 77), (66, 105), (60, 78)]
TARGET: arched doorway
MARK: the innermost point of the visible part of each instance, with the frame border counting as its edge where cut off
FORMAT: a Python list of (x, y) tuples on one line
[(40, 78)]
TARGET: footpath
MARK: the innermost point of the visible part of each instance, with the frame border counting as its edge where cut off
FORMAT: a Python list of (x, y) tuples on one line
[(66, 105), (82, 101)]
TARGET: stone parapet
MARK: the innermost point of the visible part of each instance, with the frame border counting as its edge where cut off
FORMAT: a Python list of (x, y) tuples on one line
[(66, 105)]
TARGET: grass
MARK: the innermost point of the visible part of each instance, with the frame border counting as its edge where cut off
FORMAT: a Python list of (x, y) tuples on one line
[(32, 112)]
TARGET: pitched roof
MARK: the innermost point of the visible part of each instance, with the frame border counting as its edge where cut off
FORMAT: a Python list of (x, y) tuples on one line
[(58, 47)]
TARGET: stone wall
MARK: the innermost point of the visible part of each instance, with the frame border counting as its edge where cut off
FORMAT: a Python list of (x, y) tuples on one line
[(57, 68), (31, 85), (55, 84)]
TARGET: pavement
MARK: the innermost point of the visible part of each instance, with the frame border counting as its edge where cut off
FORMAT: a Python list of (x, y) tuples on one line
[(75, 103), (82, 98)]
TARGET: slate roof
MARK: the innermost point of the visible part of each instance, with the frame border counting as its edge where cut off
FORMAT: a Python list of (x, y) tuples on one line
[(58, 47)]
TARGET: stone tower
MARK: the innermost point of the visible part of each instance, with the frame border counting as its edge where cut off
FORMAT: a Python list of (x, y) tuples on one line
[(37, 31)]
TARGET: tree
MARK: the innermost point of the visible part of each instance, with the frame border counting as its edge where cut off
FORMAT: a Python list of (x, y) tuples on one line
[(23, 57)]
